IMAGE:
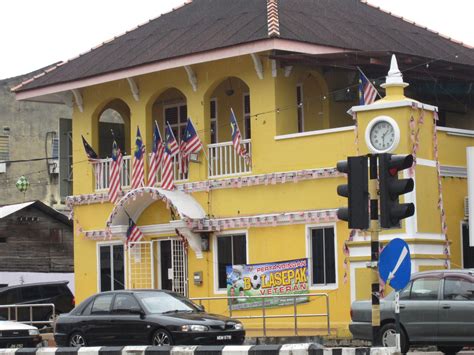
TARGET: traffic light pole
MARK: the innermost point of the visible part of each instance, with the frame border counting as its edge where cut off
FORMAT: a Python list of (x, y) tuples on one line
[(374, 246)]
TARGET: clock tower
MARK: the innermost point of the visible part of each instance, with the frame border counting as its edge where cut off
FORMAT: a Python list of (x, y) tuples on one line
[(397, 124)]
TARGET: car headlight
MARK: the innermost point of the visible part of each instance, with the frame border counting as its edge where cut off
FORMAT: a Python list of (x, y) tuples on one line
[(33, 332), (194, 328), (238, 326)]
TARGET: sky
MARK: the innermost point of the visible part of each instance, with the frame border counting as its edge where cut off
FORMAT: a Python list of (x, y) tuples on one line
[(37, 33)]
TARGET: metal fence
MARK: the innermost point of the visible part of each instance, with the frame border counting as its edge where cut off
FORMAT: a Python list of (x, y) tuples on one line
[(264, 316), (13, 313)]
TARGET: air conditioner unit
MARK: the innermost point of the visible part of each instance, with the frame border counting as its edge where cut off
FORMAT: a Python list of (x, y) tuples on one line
[(53, 166), (466, 207)]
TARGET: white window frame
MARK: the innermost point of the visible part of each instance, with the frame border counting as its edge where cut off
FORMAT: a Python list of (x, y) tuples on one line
[(309, 228), (218, 290), (125, 274), (179, 126), (214, 119), (300, 86), (247, 116)]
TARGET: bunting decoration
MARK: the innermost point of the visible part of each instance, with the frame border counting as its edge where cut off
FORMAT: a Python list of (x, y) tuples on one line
[(207, 185), (415, 135), (444, 225), (356, 131), (346, 252)]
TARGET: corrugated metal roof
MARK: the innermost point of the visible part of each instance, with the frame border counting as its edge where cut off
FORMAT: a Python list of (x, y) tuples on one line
[(204, 25), (9, 209)]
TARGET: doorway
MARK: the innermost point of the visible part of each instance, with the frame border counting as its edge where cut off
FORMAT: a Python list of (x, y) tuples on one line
[(171, 265)]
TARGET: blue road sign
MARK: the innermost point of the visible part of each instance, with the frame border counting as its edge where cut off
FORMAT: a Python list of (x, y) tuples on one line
[(395, 264)]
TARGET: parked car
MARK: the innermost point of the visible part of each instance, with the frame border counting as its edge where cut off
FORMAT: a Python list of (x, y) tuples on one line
[(141, 317), (436, 308), (18, 335), (57, 293)]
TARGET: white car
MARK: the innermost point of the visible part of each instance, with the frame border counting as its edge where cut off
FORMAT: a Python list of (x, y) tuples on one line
[(18, 335)]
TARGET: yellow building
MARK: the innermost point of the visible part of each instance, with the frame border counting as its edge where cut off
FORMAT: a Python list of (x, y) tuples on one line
[(288, 70)]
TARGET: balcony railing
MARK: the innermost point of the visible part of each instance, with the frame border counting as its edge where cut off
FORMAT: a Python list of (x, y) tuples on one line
[(224, 161), (102, 172)]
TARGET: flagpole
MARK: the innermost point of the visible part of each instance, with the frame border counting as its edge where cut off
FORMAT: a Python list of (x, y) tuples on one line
[(366, 78)]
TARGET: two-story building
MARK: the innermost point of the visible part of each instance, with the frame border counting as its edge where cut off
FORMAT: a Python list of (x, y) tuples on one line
[(289, 70)]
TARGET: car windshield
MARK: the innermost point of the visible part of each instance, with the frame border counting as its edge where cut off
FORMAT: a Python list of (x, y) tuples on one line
[(162, 302)]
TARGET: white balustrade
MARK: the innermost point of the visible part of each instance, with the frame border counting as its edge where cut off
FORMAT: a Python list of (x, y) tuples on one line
[(224, 160), (102, 172), (179, 174)]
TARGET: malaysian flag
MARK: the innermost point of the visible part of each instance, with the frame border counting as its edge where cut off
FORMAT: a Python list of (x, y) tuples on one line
[(193, 143), (171, 149), (367, 91), (237, 138), (115, 187), (190, 143), (93, 158), (91, 154), (134, 234), (138, 172), (156, 156)]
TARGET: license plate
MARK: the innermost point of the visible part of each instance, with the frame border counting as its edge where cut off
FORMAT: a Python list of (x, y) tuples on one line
[(16, 345), (224, 337)]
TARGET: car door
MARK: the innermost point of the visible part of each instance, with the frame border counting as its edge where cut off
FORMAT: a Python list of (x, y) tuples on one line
[(456, 314), (419, 312), (96, 326), (127, 326)]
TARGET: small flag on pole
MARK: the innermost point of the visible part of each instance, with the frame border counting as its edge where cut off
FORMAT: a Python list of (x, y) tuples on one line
[(138, 172), (91, 154), (171, 149), (367, 91), (190, 143), (134, 234), (156, 156), (115, 184), (237, 138)]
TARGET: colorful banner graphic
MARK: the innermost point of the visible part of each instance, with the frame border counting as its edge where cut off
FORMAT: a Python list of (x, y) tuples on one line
[(281, 278)]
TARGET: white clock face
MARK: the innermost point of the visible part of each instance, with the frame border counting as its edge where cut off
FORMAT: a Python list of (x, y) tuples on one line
[(382, 135)]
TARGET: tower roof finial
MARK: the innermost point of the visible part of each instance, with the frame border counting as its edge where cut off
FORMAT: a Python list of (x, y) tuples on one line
[(394, 77)]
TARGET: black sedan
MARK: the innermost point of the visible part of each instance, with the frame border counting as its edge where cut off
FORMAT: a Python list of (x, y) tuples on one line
[(142, 317)]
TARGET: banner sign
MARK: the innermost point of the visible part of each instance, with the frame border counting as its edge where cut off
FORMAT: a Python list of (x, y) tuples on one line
[(280, 278)]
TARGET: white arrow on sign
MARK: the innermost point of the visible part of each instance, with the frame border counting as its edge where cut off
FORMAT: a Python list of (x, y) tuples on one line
[(399, 262)]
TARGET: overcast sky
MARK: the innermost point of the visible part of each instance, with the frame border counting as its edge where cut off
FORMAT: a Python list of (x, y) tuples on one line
[(37, 33)]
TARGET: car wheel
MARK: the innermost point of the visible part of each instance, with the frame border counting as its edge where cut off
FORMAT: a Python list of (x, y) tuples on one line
[(387, 337), (161, 337), (77, 340), (450, 350)]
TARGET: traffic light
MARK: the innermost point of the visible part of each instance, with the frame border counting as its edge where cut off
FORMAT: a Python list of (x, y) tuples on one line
[(357, 192), (390, 187)]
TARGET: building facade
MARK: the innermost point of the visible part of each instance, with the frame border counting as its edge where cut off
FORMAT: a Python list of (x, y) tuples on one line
[(291, 99), (29, 133)]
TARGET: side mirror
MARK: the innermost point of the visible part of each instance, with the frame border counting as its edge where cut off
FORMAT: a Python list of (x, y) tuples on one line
[(200, 308), (137, 311)]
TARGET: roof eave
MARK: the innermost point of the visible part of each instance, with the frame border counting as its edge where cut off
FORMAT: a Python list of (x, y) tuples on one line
[(50, 93)]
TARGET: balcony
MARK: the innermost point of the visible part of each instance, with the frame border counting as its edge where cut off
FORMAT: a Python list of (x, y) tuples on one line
[(224, 161), (102, 173)]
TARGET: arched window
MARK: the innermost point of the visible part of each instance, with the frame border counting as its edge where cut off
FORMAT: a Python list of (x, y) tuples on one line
[(114, 121)]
